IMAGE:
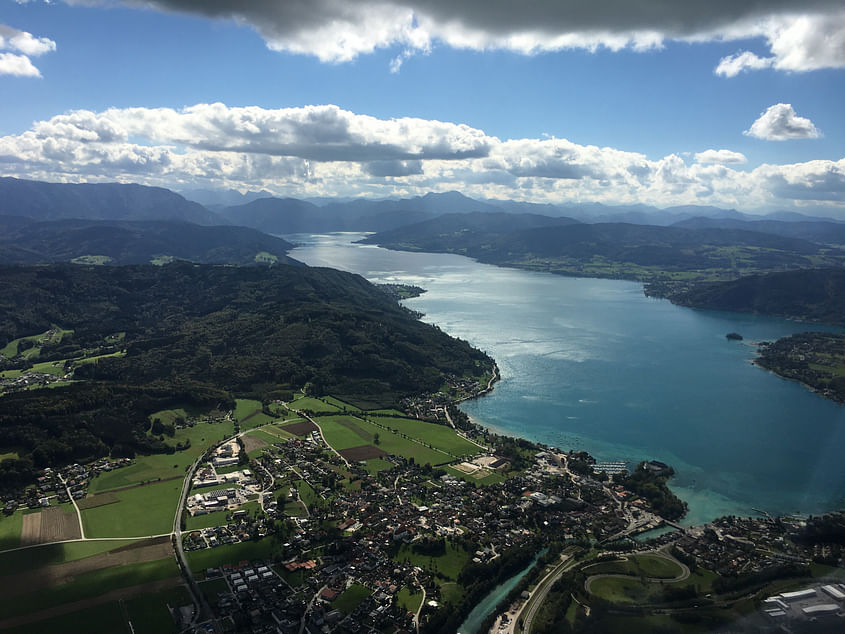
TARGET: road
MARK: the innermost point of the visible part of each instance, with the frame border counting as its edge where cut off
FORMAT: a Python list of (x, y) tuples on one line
[(530, 608), (682, 576), (320, 429), (78, 512), (203, 611), (422, 603)]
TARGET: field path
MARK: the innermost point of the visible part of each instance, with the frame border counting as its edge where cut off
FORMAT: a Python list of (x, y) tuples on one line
[(73, 501), (320, 429)]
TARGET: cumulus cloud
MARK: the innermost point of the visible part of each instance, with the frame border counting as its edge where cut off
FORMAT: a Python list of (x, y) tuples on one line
[(24, 46), (19, 65), (801, 36), (327, 151), (723, 157), (798, 43), (733, 65), (320, 133), (780, 123)]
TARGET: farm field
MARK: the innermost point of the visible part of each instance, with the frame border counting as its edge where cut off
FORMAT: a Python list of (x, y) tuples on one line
[(438, 436), (264, 549), (11, 349), (98, 619), (249, 415), (346, 432), (298, 427), (342, 405), (142, 510), (55, 523), (10, 530), (149, 612), (162, 466), (86, 585), (54, 554), (399, 436), (315, 405)]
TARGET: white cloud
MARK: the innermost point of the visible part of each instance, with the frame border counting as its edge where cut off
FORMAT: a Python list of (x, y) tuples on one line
[(798, 43), (18, 65), (733, 65), (722, 157), (24, 45), (326, 151), (780, 123), (321, 133), (801, 36)]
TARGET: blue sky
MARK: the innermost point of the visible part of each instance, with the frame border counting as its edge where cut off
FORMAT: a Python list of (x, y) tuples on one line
[(720, 104)]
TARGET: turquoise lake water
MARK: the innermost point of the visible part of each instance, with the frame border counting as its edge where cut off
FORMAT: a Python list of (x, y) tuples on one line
[(595, 365)]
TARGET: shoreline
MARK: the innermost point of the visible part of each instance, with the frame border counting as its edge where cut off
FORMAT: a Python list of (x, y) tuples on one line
[(791, 379)]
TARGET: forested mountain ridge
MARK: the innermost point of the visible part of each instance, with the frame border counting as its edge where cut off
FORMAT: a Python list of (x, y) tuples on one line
[(615, 250), (23, 241), (98, 201), (203, 333), (811, 295)]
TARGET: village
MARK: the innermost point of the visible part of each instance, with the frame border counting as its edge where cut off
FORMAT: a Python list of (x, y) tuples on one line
[(356, 549)]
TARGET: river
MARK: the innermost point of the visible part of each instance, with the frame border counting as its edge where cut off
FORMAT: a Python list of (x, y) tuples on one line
[(595, 365)]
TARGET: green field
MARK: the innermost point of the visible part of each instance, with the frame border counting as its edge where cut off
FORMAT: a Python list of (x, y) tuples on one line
[(263, 257), (264, 549), (438, 436), (341, 405), (344, 432), (51, 554), (448, 564), (99, 619), (146, 468), (211, 587), (351, 598), (619, 590), (149, 613), (308, 495), (10, 530), (95, 359), (10, 350), (316, 405), (97, 260), (141, 511), (409, 601), (271, 434), (248, 414), (56, 368), (637, 566), (374, 465), (90, 584)]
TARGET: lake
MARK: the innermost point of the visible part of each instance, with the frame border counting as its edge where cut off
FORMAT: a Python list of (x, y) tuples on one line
[(595, 365)]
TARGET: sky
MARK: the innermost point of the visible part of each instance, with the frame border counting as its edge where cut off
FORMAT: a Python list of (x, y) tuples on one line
[(732, 103)]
